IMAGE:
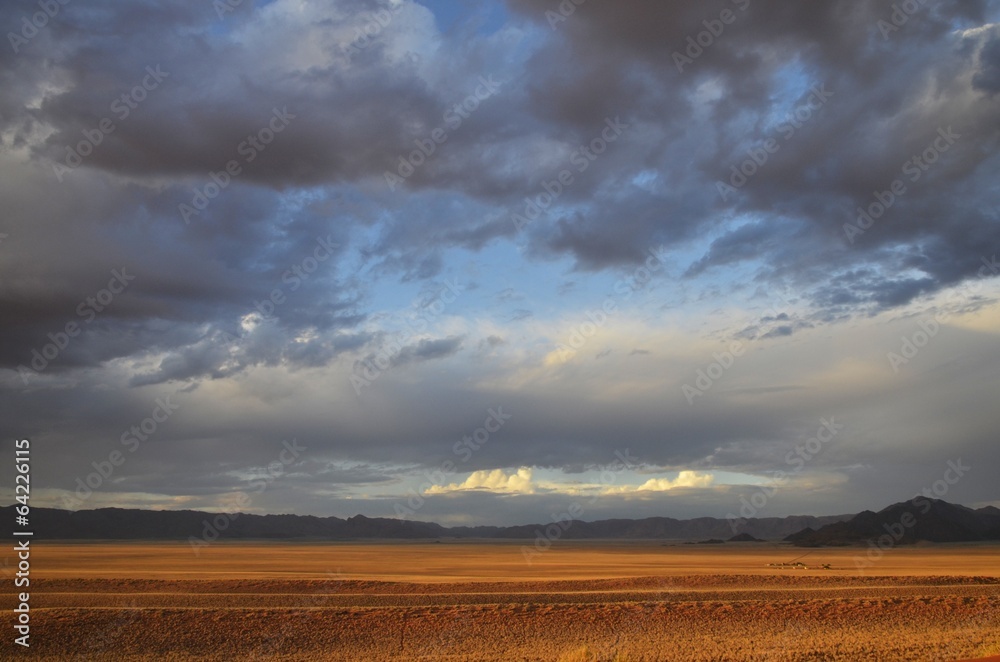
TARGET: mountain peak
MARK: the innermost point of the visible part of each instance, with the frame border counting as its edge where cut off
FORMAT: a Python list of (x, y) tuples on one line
[(907, 522)]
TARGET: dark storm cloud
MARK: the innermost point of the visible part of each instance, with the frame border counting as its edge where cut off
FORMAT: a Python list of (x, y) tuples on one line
[(346, 110), (131, 284), (988, 76), (211, 100), (357, 113), (879, 113)]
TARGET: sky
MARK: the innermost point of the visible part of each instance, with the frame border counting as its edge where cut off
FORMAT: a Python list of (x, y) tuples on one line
[(492, 262)]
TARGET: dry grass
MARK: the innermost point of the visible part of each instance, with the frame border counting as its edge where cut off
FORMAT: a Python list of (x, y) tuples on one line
[(621, 613), (478, 561)]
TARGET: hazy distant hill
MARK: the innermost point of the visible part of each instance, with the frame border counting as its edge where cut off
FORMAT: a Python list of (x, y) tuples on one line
[(123, 524), (908, 522), (699, 528)]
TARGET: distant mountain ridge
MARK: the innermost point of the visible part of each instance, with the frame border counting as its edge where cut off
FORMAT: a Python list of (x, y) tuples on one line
[(907, 522), (135, 524)]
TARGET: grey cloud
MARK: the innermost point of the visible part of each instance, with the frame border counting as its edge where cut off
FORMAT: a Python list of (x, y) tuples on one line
[(821, 173), (779, 331), (427, 350), (418, 352), (987, 78)]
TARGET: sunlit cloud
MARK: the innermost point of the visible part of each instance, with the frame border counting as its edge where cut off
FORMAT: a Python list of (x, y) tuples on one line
[(497, 480)]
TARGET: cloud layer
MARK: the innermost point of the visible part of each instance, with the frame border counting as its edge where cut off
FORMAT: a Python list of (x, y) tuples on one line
[(366, 224)]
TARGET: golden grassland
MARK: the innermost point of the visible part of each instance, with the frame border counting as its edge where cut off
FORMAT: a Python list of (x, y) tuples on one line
[(485, 561), (483, 601)]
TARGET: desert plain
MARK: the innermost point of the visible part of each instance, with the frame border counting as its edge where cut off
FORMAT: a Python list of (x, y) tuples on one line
[(466, 600)]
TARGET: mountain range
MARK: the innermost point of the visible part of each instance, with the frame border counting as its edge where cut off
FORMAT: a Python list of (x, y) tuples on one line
[(907, 522), (135, 524), (919, 519)]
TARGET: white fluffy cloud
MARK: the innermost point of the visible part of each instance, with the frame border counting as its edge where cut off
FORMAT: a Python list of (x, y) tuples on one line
[(684, 479), (522, 482), (497, 480)]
